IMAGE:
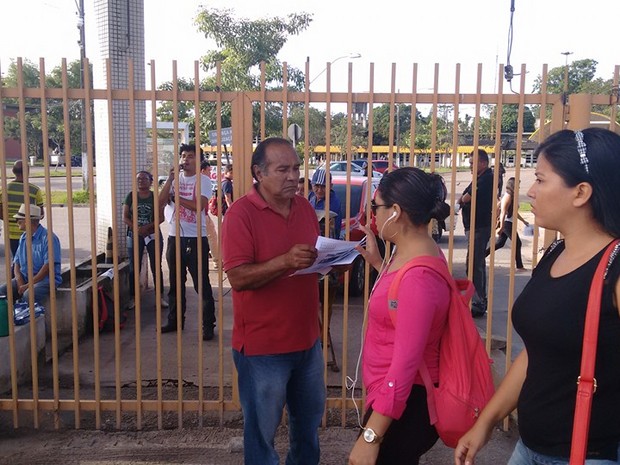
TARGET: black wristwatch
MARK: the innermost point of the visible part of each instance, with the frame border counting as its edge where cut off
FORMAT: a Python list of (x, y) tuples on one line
[(371, 437)]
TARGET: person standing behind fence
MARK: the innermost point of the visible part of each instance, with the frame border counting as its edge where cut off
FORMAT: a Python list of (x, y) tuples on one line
[(227, 188), (504, 229), (397, 427), (270, 233), (144, 236), (576, 192), (214, 249), (15, 194), (485, 202), (318, 196), (187, 236), (38, 254)]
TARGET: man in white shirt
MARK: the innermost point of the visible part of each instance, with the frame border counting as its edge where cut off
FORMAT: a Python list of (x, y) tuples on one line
[(188, 210)]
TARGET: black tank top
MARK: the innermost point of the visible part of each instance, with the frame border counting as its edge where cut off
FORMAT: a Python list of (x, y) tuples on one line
[(549, 315)]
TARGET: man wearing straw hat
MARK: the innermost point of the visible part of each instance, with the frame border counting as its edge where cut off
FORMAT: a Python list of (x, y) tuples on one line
[(38, 254)]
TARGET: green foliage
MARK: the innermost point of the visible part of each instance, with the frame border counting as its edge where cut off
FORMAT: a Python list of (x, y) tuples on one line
[(510, 120), (243, 44), (579, 73), (581, 79), (340, 132), (54, 107), (60, 197)]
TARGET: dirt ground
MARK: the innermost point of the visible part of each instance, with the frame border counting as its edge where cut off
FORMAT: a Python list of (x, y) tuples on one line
[(208, 445)]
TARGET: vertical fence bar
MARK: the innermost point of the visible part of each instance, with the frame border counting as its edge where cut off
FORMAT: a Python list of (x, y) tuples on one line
[(29, 231), (455, 141), (137, 257), (50, 241), (159, 280), (7, 266)]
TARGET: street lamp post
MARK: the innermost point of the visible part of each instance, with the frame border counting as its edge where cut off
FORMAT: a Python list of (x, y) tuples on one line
[(348, 55), (565, 92)]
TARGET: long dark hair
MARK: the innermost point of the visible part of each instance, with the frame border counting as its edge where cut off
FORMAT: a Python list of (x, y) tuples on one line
[(602, 173), (420, 195)]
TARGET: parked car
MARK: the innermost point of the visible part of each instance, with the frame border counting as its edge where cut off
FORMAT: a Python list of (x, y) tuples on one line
[(380, 166), (357, 202), (339, 167)]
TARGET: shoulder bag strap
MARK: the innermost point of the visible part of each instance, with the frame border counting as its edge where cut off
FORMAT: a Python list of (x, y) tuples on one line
[(586, 383), (439, 266)]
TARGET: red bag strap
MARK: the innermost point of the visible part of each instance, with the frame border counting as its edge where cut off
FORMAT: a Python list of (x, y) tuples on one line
[(586, 383)]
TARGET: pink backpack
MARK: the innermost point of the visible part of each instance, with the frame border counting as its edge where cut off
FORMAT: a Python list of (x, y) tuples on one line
[(465, 379)]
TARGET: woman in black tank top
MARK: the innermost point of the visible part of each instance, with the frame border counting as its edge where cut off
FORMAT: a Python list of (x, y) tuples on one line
[(576, 192)]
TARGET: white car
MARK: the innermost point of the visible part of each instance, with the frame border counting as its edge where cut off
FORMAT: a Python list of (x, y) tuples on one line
[(340, 167)]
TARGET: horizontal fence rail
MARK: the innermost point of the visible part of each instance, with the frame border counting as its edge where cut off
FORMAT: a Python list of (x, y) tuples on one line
[(60, 370)]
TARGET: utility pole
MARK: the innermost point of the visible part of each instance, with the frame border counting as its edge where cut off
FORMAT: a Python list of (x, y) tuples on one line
[(82, 44), (565, 92)]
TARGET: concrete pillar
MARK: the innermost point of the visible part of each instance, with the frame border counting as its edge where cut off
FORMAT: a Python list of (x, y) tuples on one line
[(120, 25)]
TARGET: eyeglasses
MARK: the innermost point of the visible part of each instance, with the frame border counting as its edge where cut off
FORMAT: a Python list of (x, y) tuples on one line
[(374, 205)]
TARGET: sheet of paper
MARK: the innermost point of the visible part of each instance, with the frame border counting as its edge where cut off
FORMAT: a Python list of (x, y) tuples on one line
[(332, 252)]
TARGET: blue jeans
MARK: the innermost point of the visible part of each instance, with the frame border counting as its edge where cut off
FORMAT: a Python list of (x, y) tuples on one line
[(41, 291), (266, 384), (522, 455)]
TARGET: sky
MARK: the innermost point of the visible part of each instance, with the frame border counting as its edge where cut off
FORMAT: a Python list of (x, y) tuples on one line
[(390, 31)]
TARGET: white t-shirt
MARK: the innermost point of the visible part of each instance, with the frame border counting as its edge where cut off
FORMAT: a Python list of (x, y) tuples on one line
[(187, 217)]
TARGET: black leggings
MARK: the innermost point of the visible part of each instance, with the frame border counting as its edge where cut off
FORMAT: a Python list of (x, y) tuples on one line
[(409, 437), (504, 235)]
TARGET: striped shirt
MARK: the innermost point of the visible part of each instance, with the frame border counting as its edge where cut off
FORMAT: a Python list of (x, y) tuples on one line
[(15, 191)]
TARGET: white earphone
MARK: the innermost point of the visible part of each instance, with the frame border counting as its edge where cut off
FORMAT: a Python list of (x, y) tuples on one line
[(391, 217)]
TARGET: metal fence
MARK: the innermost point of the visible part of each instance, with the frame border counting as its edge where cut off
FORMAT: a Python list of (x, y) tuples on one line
[(137, 377)]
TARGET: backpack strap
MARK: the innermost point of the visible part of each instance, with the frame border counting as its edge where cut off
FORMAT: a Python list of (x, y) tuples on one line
[(462, 289)]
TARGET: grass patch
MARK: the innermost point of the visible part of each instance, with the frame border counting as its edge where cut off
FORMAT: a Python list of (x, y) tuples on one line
[(525, 207), (79, 197)]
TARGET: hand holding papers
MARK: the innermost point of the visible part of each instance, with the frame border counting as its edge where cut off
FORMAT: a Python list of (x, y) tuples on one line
[(332, 252)]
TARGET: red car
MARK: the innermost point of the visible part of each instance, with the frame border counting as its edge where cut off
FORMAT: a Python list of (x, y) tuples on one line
[(358, 203)]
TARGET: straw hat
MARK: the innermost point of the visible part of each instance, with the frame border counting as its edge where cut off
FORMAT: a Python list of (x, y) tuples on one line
[(35, 212)]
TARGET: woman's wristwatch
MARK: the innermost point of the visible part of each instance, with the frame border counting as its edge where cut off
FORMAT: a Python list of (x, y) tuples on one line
[(371, 437)]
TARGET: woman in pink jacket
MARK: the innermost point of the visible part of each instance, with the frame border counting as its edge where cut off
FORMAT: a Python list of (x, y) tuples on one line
[(396, 426)]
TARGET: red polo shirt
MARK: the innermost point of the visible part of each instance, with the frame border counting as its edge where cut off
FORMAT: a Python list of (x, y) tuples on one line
[(281, 316)]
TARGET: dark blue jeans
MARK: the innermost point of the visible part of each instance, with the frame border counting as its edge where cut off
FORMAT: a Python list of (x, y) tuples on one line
[(266, 384)]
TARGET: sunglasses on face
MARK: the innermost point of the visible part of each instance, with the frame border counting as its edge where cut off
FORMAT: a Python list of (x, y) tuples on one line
[(374, 205)]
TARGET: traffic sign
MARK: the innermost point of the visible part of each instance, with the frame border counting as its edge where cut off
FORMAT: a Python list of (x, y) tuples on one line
[(226, 137), (294, 133)]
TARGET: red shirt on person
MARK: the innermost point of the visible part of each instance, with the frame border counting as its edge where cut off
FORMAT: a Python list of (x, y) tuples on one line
[(282, 316)]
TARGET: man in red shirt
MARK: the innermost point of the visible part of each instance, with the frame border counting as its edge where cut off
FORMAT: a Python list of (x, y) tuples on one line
[(268, 235)]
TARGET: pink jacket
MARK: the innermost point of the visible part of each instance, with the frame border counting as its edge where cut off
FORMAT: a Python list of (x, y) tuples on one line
[(392, 356)]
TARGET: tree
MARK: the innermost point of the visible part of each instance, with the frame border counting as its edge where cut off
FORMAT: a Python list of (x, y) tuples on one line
[(579, 73), (510, 119), (581, 79), (55, 117), (242, 45), (32, 118), (316, 120), (402, 124), (340, 131)]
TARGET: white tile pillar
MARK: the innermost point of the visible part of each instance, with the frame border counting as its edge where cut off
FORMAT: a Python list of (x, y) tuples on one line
[(120, 25)]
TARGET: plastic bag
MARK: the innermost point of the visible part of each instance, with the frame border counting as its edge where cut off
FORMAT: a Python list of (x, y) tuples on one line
[(22, 312)]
